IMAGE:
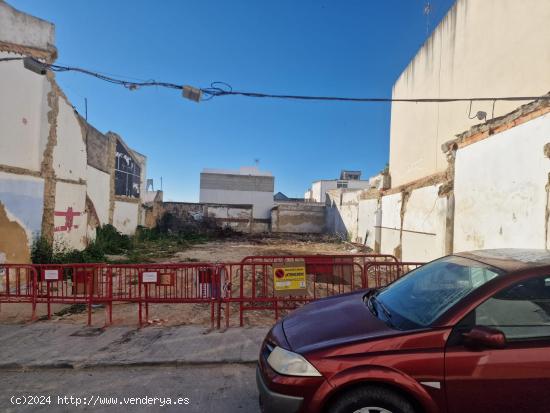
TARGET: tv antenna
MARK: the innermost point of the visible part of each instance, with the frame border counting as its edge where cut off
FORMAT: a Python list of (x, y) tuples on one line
[(427, 13)]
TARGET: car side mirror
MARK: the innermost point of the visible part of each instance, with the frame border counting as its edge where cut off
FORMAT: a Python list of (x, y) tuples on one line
[(484, 337)]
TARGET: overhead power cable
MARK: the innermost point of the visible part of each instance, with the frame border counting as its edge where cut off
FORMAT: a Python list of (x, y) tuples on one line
[(218, 89)]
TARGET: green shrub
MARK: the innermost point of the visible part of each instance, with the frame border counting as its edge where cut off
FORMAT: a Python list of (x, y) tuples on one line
[(109, 240), (145, 245), (41, 251)]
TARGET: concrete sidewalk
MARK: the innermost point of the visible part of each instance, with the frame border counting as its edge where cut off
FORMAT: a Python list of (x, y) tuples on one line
[(57, 345)]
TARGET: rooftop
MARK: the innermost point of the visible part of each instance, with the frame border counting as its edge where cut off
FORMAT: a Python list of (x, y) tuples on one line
[(243, 170)]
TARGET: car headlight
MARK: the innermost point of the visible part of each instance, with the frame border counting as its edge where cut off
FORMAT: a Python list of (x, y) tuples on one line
[(291, 364)]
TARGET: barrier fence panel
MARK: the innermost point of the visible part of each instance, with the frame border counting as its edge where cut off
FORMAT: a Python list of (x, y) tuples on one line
[(380, 274), (256, 284), (251, 285), (361, 259), (194, 283), (71, 284), (17, 285)]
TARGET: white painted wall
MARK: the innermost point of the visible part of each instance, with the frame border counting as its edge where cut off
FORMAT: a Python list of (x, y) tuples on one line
[(125, 217), (98, 189), (70, 196), (23, 114), (319, 189), (344, 217), (369, 217), (261, 201), (500, 195), (481, 48), (424, 222), (426, 215), (69, 154), (391, 223)]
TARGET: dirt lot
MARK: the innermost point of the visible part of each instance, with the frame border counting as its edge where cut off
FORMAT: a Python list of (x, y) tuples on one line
[(234, 250), (228, 250)]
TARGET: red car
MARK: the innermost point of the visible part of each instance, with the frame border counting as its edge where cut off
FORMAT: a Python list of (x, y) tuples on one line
[(466, 333)]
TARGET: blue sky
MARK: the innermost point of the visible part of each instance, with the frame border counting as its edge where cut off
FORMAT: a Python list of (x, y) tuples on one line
[(310, 47)]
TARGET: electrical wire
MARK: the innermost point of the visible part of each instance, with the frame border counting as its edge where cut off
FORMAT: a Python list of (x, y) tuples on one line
[(218, 89)]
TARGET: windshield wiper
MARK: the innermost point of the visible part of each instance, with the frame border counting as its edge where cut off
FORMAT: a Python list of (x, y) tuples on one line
[(370, 305), (382, 306)]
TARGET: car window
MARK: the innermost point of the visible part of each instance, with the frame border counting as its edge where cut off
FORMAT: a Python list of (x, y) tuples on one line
[(521, 312), (420, 297)]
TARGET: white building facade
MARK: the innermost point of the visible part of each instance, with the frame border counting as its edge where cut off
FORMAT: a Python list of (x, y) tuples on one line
[(348, 180), (246, 186)]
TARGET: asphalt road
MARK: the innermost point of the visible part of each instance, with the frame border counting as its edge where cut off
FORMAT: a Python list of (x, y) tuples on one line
[(228, 388)]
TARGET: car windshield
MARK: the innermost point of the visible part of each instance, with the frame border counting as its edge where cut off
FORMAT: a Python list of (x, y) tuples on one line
[(420, 297)]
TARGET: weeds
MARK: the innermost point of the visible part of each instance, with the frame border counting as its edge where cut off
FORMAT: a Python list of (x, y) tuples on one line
[(145, 246)]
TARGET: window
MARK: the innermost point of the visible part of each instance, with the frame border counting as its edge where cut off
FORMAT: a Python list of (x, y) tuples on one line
[(520, 312), (423, 295), (127, 173), (341, 184)]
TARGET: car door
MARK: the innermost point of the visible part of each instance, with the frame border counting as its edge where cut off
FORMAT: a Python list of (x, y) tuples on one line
[(515, 378)]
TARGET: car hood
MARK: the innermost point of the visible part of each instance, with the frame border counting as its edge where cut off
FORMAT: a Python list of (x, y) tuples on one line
[(332, 321)]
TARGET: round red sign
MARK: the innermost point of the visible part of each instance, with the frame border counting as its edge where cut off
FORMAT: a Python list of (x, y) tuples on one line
[(279, 273)]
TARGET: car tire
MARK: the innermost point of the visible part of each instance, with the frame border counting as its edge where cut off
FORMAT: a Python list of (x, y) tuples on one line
[(374, 397)]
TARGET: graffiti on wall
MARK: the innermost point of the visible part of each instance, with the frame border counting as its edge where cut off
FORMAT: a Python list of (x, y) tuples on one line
[(69, 216)]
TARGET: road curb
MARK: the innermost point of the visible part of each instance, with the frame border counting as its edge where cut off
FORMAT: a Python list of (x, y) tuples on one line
[(121, 364)]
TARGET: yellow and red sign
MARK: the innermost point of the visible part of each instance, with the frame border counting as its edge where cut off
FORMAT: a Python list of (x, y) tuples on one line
[(290, 277)]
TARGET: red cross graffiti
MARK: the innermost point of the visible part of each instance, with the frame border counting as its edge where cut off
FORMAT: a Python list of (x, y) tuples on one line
[(69, 219)]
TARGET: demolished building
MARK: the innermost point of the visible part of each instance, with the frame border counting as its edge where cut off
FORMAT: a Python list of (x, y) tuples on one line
[(60, 177)]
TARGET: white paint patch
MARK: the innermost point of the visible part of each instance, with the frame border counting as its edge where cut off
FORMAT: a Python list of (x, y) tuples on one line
[(391, 223), (23, 115), (98, 189), (424, 225), (500, 194), (367, 221), (125, 217), (69, 155)]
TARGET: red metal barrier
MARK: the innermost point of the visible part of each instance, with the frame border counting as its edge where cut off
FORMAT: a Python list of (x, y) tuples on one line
[(380, 274), (235, 287), (250, 285), (359, 258), (179, 284), (17, 285), (73, 284)]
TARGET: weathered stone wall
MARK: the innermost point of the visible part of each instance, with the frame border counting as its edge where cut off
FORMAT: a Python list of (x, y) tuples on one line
[(297, 217), (56, 171), (98, 147), (238, 217)]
